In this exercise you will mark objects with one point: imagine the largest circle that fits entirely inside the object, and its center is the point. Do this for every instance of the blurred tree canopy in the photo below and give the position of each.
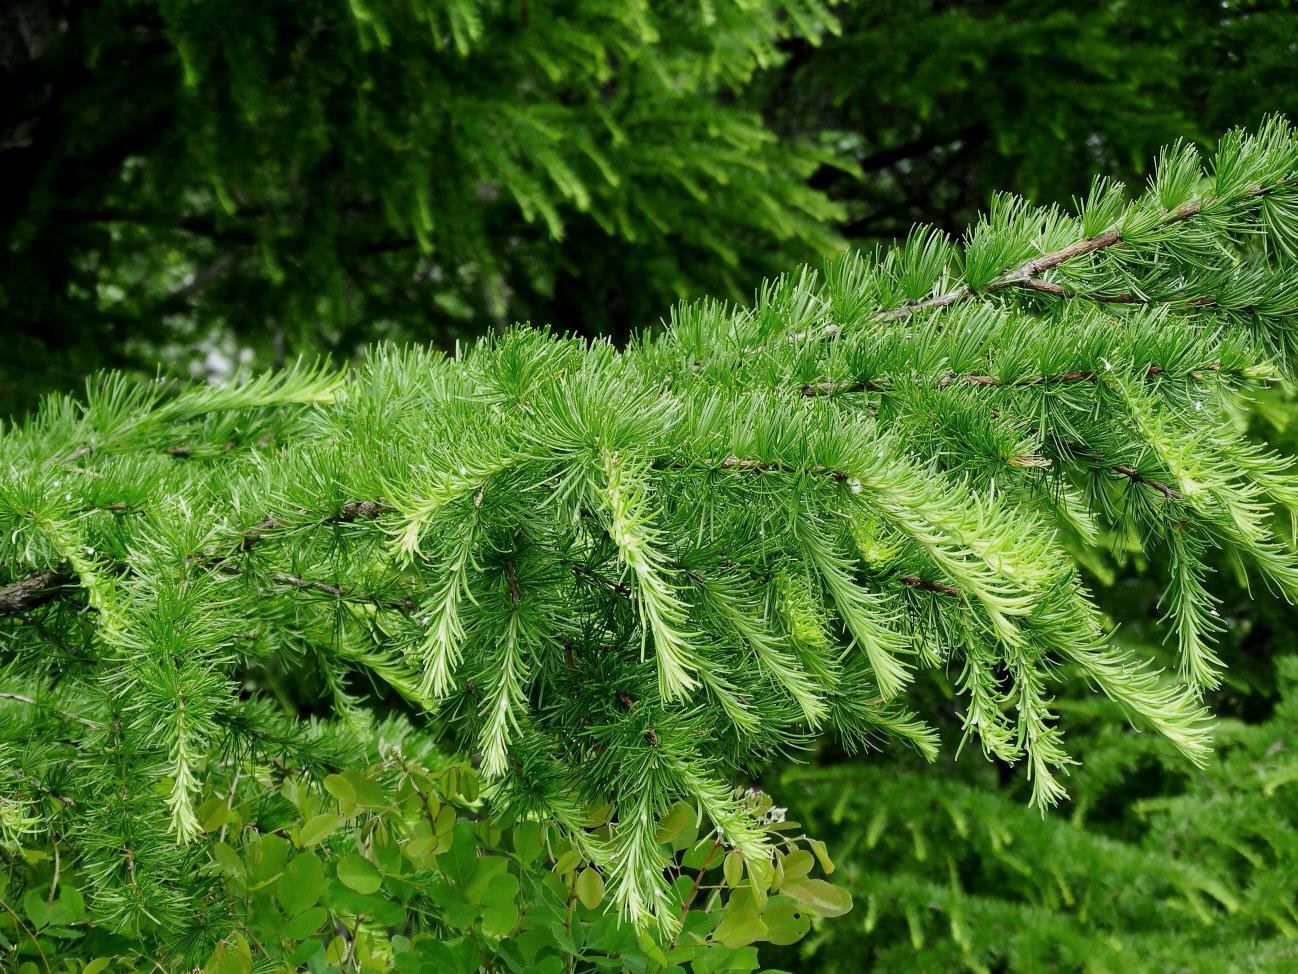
(941, 104)
(288, 176)
(205, 184)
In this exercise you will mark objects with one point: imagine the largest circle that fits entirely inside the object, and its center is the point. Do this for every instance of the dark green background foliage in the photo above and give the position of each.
(941, 104)
(321, 174)
(1151, 868)
(186, 180)
(200, 187)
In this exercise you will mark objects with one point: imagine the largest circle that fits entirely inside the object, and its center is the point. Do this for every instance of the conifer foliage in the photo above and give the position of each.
(628, 577)
(952, 874)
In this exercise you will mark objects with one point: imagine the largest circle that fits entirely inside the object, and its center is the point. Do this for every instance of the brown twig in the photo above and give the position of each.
(1137, 477)
(914, 581)
(954, 378)
(46, 585)
(34, 590)
(612, 583)
(512, 580)
(1126, 297)
(402, 602)
(1034, 268)
(67, 715)
(1063, 293)
(1028, 274)
(694, 891)
(43, 789)
(1018, 275)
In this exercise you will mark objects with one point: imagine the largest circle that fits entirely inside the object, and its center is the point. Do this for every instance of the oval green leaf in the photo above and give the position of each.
(358, 873)
(822, 898)
(590, 888)
(300, 886)
(316, 829)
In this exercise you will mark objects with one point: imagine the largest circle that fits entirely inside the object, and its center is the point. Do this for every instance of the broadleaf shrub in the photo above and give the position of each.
(399, 865)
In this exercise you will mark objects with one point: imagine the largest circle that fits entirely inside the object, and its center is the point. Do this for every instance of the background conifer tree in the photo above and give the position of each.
(280, 179)
(270, 180)
(1152, 868)
(940, 105)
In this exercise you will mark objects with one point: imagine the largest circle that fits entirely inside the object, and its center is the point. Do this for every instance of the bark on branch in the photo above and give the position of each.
(44, 586)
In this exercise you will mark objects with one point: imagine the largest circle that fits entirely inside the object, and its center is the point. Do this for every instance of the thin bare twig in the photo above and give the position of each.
(46, 585)
(34, 590)
(30, 936)
(1135, 476)
(1028, 274)
(914, 581)
(954, 379)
